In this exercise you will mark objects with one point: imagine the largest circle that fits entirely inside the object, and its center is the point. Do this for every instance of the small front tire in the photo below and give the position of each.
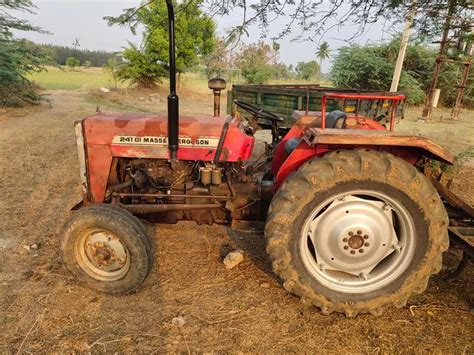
(107, 249)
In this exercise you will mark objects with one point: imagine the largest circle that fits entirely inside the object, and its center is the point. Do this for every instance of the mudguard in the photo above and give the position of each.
(356, 137)
(316, 142)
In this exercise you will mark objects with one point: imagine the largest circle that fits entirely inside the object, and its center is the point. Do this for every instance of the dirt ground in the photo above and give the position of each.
(244, 309)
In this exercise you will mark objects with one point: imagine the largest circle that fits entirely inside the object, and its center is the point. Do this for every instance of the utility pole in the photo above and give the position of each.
(427, 111)
(403, 47)
(467, 66)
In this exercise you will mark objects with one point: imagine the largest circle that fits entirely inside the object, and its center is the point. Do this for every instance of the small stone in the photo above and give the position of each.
(104, 90)
(233, 259)
(265, 285)
(154, 97)
(31, 247)
(178, 321)
(138, 339)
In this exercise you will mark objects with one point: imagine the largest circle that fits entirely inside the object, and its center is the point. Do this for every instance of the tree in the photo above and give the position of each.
(308, 70)
(17, 57)
(76, 44)
(195, 39)
(218, 60)
(59, 54)
(282, 72)
(142, 68)
(322, 53)
(72, 62)
(370, 67)
(275, 52)
(313, 18)
(113, 68)
(254, 62)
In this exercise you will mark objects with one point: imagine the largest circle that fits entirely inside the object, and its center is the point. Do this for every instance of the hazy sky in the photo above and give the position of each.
(68, 19)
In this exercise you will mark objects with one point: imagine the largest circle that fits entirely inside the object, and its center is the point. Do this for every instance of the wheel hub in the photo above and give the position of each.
(356, 241)
(102, 255)
(353, 235)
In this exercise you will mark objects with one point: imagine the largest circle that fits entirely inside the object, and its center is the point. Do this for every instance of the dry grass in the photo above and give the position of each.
(456, 136)
(191, 103)
(43, 309)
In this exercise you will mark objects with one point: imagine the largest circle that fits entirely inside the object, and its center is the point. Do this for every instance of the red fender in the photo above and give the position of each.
(298, 157)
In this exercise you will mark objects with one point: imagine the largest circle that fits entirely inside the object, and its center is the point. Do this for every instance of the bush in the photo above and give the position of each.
(17, 57)
(72, 62)
(371, 68)
(308, 70)
(143, 69)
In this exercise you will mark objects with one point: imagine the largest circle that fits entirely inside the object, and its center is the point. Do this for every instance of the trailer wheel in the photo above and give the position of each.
(356, 231)
(107, 249)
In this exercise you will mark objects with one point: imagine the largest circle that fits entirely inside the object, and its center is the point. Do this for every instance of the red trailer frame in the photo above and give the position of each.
(396, 99)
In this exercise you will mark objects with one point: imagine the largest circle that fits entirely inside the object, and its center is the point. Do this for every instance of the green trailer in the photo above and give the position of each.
(283, 100)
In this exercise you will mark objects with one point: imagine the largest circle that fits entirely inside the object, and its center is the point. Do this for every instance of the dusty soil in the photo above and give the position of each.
(244, 309)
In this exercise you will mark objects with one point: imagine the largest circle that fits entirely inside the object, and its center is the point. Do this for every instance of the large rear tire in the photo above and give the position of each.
(107, 249)
(356, 231)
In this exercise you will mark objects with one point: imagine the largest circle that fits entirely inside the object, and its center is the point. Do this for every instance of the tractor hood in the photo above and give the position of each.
(146, 136)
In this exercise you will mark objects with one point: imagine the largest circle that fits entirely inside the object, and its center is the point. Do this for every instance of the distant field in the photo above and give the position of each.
(82, 78)
(93, 78)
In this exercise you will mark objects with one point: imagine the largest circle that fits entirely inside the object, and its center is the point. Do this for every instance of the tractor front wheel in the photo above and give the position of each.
(107, 249)
(356, 231)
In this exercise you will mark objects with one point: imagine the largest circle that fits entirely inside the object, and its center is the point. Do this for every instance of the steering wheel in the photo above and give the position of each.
(258, 112)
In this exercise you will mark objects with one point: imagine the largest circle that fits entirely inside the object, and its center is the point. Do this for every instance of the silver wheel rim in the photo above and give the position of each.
(358, 241)
(102, 255)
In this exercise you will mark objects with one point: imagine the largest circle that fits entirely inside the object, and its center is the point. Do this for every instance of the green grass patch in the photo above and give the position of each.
(82, 78)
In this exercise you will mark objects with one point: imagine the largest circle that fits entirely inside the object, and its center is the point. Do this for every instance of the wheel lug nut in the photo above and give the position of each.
(353, 251)
(351, 234)
(359, 232)
(361, 250)
(366, 236)
(366, 244)
(344, 240)
(346, 247)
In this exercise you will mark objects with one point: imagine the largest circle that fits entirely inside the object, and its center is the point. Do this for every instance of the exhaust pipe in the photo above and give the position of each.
(173, 100)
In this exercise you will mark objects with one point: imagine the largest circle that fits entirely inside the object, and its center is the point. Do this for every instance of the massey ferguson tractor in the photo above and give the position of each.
(353, 225)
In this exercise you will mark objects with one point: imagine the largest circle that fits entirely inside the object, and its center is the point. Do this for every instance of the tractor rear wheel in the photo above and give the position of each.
(107, 249)
(356, 231)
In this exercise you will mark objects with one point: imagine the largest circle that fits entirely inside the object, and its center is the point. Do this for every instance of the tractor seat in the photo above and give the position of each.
(334, 119)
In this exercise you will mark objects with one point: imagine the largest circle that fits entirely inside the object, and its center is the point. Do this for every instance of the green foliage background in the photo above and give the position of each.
(254, 62)
(18, 58)
(308, 70)
(195, 39)
(59, 55)
(371, 67)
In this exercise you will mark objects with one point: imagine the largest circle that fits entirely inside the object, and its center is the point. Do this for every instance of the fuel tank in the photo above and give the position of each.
(146, 136)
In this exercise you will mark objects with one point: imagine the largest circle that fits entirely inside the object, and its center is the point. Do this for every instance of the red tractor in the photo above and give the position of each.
(352, 225)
